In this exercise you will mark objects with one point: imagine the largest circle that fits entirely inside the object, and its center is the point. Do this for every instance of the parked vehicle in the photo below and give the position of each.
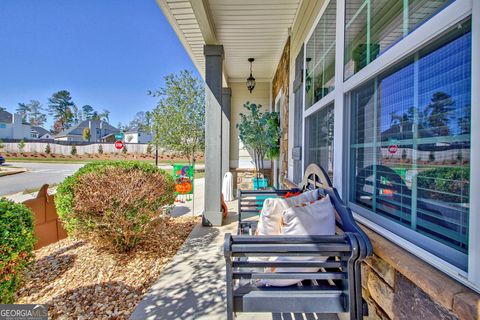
(2, 160)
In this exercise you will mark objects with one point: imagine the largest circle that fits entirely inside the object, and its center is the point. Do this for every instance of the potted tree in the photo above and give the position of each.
(260, 133)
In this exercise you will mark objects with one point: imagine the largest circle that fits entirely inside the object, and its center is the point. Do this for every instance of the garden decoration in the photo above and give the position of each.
(184, 177)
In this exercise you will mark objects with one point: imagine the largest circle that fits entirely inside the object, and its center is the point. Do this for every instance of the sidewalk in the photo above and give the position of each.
(192, 286)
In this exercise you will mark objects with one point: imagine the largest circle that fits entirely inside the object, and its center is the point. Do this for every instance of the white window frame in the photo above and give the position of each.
(424, 34)
(277, 163)
(326, 100)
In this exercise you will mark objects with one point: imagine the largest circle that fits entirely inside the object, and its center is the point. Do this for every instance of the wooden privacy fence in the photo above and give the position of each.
(48, 228)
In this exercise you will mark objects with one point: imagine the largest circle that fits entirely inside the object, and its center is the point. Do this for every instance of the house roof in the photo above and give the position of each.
(133, 130)
(245, 28)
(5, 116)
(85, 124)
(41, 131)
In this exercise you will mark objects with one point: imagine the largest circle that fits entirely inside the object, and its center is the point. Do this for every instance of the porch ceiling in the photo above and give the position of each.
(246, 28)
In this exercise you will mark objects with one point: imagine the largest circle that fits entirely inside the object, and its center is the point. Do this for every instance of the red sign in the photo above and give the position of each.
(118, 144)
(393, 149)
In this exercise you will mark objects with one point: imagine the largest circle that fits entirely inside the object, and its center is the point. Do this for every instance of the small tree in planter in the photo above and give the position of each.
(260, 132)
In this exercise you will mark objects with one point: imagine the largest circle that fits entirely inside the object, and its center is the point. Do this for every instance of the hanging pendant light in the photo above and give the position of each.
(251, 79)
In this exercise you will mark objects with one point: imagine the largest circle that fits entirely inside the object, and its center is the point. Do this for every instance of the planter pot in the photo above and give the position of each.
(259, 184)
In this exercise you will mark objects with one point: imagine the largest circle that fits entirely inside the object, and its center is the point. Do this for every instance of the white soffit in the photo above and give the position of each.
(181, 17)
(252, 28)
(245, 28)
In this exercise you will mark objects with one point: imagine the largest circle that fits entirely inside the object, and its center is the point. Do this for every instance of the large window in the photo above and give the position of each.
(320, 57)
(372, 26)
(319, 138)
(410, 146)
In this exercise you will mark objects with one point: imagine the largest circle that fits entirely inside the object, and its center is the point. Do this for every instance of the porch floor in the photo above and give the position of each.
(192, 286)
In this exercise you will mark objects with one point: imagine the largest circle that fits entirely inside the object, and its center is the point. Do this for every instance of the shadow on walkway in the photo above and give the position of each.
(192, 286)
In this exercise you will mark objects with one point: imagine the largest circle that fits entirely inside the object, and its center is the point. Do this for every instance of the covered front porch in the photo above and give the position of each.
(346, 77)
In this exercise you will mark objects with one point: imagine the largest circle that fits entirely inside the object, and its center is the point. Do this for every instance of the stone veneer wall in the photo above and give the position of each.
(280, 82)
(407, 288)
(244, 178)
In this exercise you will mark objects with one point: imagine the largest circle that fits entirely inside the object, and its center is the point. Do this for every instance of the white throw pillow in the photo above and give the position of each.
(313, 218)
(269, 223)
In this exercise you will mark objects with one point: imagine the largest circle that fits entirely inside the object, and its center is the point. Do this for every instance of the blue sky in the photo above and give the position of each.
(107, 53)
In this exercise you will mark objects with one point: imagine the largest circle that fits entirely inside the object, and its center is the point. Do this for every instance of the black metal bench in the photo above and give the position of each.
(336, 288)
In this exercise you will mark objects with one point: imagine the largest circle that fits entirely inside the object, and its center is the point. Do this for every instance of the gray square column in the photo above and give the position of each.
(226, 108)
(212, 214)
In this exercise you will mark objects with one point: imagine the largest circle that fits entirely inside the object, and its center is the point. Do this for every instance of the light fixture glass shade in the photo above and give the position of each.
(251, 83)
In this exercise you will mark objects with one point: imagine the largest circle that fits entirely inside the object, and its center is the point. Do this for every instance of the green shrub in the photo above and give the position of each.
(112, 203)
(16, 246)
(100, 149)
(149, 149)
(73, 151)
(124, 149)
(448, 184)
(47, 149)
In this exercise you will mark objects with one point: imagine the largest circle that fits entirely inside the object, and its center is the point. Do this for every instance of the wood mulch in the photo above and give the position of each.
(79, 281)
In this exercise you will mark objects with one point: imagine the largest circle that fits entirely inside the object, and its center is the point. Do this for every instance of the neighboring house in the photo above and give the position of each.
(38, 132)
(99, 131)
(339, 72)
(136, 135)
(12, 126)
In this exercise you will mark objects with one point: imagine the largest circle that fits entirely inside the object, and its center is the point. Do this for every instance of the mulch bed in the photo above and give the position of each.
(78, 281)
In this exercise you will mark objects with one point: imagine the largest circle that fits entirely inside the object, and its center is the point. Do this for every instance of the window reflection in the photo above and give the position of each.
(410, 142)
(320, 58)
(373, 26)
(319, 138)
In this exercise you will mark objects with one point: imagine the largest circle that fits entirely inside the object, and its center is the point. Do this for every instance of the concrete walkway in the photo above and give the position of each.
(192, 286)
(187, 207)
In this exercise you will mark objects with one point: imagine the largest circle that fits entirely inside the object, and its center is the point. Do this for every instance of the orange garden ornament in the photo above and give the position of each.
(183, 176)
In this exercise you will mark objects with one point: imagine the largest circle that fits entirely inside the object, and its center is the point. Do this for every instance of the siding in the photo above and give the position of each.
(240, 95)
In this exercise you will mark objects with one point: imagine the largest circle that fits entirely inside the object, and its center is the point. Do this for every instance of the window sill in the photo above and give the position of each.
(440, 287)
(289, 184)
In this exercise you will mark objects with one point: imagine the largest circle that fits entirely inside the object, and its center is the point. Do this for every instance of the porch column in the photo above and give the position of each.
(226, 108)
(212, 214)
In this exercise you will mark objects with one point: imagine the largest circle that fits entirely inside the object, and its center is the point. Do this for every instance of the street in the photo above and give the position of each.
(40, 173)
(37, 175)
